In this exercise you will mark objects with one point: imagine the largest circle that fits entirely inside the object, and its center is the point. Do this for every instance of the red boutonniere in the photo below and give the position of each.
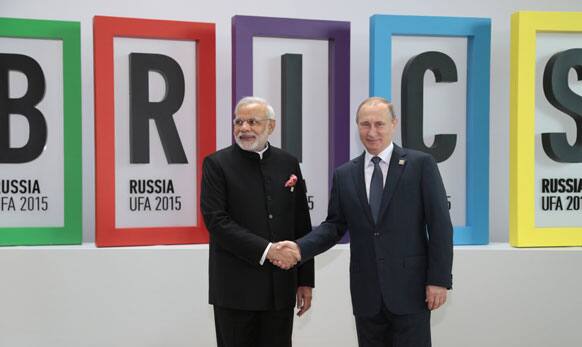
(291, 182)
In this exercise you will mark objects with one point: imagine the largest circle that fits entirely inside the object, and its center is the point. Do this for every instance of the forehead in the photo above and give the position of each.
(374, 112)
(254, 109)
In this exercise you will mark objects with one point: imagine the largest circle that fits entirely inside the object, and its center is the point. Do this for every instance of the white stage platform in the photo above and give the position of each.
(81, 296)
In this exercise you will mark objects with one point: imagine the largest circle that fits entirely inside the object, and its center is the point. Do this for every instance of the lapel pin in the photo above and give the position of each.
(401, 162)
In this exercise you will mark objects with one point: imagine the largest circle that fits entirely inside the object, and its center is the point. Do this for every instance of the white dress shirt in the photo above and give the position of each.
(385, 156)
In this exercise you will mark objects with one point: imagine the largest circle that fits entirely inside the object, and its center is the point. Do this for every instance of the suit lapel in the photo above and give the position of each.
(397, 164)
(360, 184)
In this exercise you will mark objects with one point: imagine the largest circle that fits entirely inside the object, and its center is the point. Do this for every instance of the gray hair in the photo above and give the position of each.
(376, 100)
(247, 100)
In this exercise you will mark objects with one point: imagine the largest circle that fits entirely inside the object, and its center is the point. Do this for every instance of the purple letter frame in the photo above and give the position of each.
(244, 28)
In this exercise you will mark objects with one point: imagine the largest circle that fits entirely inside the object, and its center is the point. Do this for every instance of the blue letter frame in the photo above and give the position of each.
(478, 34)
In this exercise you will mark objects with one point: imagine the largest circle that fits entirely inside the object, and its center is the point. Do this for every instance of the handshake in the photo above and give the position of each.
(284, 254)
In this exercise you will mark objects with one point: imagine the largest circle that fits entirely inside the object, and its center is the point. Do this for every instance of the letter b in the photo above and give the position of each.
(24, 106)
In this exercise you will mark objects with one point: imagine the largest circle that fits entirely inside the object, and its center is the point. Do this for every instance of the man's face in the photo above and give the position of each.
(252, 127)
(376, 127)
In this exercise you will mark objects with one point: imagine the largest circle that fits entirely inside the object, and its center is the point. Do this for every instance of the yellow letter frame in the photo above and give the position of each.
(522, 229)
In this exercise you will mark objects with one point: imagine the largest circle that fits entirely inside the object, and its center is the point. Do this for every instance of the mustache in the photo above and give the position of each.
(248, 134)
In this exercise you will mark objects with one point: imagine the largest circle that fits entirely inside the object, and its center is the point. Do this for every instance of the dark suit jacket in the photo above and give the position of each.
(409, 247)
(245, 205)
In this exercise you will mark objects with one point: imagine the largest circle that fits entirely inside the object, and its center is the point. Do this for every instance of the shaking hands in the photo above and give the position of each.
(284, 254)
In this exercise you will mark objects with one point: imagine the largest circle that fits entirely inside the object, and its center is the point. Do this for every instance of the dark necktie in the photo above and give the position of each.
(376, 188)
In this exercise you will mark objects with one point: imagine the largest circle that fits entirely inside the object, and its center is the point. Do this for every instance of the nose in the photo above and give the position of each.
(245, 126)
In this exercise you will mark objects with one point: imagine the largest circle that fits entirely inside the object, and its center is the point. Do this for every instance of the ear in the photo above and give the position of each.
(271, 126)
(394, 122)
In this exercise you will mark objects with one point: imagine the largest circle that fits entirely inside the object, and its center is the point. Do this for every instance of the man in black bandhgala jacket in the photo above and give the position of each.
(253, 195)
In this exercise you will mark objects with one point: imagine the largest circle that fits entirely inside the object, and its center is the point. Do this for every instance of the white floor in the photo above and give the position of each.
(157, 296)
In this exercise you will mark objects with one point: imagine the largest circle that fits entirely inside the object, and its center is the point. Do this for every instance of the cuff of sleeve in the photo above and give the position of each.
(441, 282)
(264, 257)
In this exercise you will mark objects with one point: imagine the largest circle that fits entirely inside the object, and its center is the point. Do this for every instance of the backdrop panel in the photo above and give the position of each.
(477, 31)
(40, 132)
(546, 129)
(337, 36)
(148, 178)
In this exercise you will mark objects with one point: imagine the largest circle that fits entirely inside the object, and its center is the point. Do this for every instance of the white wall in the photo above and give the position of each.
(81, 296)
(357, 13)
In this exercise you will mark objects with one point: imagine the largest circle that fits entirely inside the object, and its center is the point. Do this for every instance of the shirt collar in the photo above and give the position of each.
(261, 152)
(384, 155)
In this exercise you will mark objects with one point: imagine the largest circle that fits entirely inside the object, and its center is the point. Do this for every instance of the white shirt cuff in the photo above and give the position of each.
(265, 254)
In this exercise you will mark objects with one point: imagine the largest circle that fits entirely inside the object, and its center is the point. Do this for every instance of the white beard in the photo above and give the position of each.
(255, 146)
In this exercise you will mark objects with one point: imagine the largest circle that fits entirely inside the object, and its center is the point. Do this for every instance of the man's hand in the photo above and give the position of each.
(284, 254)
(304, 295)
(435, 296)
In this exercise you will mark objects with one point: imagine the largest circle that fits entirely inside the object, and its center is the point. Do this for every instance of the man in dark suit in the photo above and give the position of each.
(394, 203)
(253, 194)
